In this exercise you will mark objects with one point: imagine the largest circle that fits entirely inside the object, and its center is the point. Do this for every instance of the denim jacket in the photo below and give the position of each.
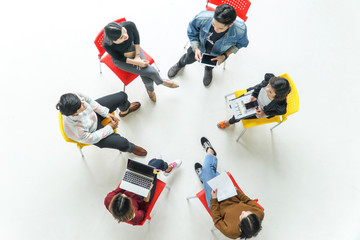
(234, 39)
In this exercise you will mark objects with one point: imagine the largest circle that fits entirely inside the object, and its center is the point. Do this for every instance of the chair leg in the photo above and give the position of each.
(82, 155)
(228, 95)
(156, 67)
(224, 65)
(100, 67)
(124, 87)
(167, 187)
(191, 197)
(242, 133)
(275, 126)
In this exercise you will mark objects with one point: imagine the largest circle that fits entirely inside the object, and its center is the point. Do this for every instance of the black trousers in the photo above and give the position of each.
(114, 141)
(189, 58)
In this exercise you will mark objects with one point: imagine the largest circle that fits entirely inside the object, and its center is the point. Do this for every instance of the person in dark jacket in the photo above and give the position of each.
(271, 96)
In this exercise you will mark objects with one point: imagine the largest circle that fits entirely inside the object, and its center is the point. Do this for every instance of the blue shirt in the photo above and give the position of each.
(234, 39)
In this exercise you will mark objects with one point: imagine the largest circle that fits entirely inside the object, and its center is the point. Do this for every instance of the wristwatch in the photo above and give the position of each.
(225, 55)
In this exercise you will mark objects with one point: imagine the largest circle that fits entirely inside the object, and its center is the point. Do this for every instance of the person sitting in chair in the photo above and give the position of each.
(129, 207)
(122, 42)
(217, 33)
(271, 96)
(82, 118)
(235, 217)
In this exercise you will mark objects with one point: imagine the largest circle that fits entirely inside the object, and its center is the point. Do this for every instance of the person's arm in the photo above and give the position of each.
(140, 63)
(246, 200)
(222, 57)
(115, 54)
(99, 109)
(263, 83)
(275, 108)
(242, 41)
(78, 133)
(140, 208)
(193, 32)
(218, 220)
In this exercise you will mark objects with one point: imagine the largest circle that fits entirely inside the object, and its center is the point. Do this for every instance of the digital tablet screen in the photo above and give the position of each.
(206, 59)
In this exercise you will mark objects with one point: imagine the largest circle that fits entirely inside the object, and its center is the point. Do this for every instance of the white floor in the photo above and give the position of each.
(305, 173)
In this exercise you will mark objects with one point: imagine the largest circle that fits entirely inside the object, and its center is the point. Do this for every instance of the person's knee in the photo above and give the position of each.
(124, 145)
(123, 97)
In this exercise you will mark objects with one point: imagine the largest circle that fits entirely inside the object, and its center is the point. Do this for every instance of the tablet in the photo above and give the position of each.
(206, 59)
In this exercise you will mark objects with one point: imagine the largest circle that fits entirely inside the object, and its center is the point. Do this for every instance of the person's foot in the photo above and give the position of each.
(152, 96)
(170, 84)
(207, 77)
(223, 124)
(174, 70)
(133, 107)
(139, 151)
(172, 166)
(206, 145)
(198, 169)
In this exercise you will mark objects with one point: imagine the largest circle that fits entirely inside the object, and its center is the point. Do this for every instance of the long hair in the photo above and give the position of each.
(121, 208)
(250, 226)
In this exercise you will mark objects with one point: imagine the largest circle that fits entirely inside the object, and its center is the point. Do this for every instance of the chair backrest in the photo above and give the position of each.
(79, 145)
(160, 185)
(202, 197)
(99, 39)
(292, 99)
(241, 6)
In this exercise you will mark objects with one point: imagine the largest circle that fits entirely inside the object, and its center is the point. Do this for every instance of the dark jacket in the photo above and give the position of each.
(275, 107)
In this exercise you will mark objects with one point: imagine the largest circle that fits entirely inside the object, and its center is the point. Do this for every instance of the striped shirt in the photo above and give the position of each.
(82, 128)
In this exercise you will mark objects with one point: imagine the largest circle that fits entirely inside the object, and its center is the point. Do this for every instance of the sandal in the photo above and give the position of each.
(222, 125)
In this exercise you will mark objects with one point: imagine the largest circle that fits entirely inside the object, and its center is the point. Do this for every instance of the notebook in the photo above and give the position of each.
(137, 178)
(206, 60)
(241, 106)
(224, 185)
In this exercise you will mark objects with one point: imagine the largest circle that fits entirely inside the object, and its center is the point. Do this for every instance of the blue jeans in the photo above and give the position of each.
(158, 164)
(208, 172)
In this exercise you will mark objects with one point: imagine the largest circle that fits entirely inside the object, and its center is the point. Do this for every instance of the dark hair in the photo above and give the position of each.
(250, 226)
(281, 86)
(69, 104)
(225, 14)
(113, 30)
(121, 208)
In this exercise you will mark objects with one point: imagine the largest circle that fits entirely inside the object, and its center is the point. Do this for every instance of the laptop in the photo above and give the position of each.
(206, 60)
(137, 178)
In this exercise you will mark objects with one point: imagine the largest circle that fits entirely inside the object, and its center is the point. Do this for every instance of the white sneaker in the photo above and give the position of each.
(174, 165)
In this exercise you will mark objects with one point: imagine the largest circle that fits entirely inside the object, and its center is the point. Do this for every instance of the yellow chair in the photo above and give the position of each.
(79, 145)
(292, 107)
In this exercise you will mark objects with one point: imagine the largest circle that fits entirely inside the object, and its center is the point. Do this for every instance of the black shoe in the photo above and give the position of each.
(206, 144)
(207, 77)
(174, 70)
(198, 169)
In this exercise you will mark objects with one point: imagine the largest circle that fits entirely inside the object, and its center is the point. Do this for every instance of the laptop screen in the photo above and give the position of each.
(140, 168)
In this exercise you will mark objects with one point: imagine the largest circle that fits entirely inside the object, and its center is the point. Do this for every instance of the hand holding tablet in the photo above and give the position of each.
(206, 59)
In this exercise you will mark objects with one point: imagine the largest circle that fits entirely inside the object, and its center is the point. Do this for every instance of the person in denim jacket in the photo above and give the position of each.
(218, 34)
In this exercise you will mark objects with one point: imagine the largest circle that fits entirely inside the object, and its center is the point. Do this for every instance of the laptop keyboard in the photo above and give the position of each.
(137, 180)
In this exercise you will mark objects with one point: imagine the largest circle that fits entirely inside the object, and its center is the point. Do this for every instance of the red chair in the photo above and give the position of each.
(241, 6)
(201, 195)
(125, 77)
(160, 185)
